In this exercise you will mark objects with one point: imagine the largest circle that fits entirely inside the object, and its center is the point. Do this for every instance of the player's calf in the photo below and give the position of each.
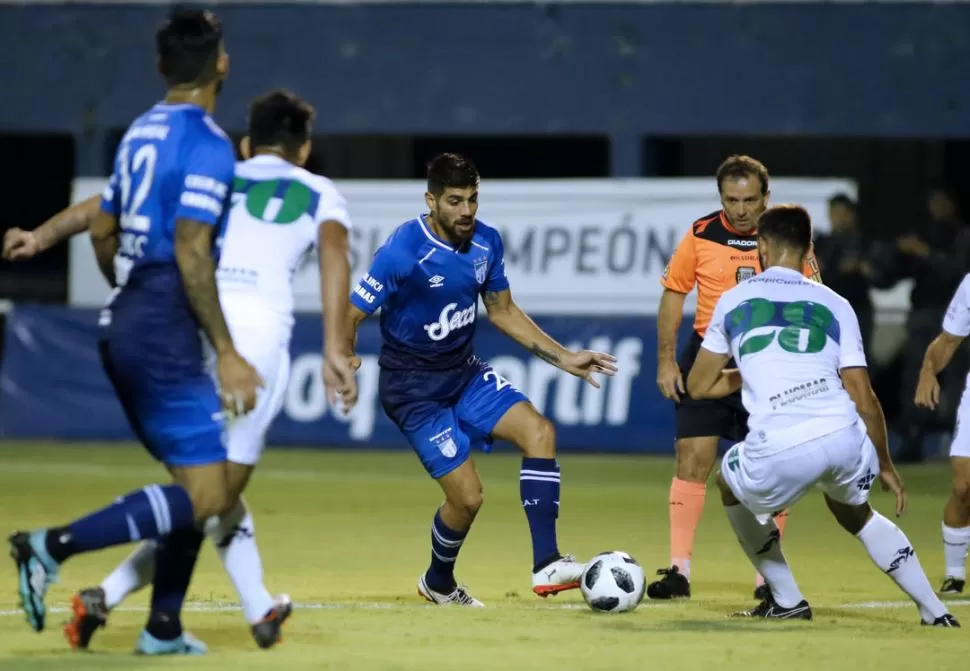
(956, 528)
(462, 488)
(891, 551)
(761, 542)
(539, 481)
(688, 490)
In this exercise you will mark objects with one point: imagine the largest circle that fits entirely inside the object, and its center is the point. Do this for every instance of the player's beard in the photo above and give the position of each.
(219, 85)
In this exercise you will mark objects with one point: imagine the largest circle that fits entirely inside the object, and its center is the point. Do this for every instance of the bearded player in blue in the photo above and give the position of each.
(426, 279)
(156, 241)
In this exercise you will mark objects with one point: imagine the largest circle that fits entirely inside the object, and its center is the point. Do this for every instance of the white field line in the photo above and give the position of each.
(217, 607)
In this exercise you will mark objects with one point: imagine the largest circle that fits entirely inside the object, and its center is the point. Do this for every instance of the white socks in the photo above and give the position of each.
(136, 571)
(956, 542)
(234, 537)
(892, 552)
(761, 542)
(235, 540)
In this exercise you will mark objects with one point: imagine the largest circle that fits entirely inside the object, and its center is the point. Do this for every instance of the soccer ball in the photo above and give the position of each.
(613, 582)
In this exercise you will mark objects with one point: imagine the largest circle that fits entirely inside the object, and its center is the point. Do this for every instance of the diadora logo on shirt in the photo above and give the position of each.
(436, 281)
(742, 243)
(450, 320)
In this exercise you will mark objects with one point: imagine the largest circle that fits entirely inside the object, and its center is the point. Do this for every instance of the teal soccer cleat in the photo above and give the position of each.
(36, 571)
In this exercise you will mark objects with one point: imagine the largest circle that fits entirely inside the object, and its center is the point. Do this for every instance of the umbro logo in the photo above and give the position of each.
(436, 281)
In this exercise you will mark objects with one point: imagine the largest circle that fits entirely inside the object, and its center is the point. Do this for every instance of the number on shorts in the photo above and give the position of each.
(500, 382)
(806, 326)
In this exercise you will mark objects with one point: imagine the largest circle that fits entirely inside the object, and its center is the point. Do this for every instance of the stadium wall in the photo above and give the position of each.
(620, 69)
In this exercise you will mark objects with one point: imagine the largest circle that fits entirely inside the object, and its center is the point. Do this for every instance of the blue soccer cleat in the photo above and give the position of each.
(186, 644)
(36, 571)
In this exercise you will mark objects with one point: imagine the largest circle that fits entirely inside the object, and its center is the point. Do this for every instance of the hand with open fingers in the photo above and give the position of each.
(238, 384)
(891, 482)
(339, 380)
(19, 245)
(669, 380)
(586, 363)
(927, 391)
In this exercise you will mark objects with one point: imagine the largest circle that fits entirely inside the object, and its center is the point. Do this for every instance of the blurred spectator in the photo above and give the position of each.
(936, 257)
(842, 257)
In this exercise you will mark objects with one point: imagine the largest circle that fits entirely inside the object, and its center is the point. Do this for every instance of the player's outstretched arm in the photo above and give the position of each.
(857, 384)
(104, 239)
(20, 245)
(513, 322)
(709, 379)
(938, 356)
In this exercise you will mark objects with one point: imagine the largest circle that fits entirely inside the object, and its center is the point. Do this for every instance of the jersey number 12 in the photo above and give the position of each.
(142, 168)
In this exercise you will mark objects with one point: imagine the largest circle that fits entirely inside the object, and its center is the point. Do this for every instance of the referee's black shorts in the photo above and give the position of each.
(723, 417)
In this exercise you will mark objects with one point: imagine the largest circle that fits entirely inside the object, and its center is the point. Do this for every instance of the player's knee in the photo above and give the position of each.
(471, 502)
(210, 497)
(540, 441)
(695, 458)
(961, 491)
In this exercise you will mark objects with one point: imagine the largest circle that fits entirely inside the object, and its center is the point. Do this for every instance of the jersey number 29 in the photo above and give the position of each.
(805, 325)
(142, 169)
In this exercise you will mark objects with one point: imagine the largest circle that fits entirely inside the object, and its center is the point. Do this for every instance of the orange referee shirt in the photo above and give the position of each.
(715, 257)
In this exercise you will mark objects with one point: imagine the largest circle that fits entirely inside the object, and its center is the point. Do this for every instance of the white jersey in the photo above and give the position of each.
(957, 319)
(277, 209)
(790, 338)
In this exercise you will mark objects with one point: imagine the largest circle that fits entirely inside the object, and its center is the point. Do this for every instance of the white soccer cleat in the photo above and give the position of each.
(459, 596)
(560, 575)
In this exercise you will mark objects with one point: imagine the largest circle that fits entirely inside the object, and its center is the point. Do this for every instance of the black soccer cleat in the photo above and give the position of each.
(269, 631)
(952, 586)
(762, 592)
(769, 610)
(944, 621)
(673, 585)
(90, 614)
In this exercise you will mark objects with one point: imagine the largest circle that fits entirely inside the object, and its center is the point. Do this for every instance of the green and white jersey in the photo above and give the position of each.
(277, 209)
(789, 337)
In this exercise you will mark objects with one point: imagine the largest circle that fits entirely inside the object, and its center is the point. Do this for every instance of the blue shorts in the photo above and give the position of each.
(446, 414)
(179, 422)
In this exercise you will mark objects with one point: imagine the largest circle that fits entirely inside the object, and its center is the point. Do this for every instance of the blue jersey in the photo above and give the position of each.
(428, 294)
(173, 163)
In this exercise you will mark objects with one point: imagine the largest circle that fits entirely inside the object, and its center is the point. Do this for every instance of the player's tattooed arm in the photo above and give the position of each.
(708, 377)
(513, 322)
(104, 239)
(193, 254)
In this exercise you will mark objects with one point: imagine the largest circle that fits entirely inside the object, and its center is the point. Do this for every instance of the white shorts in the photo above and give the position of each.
(960, 445)
(265, 349)
(843, 464)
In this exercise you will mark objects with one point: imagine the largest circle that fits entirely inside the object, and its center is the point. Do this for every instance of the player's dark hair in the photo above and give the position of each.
(789, 225)
(188, 46)
(741, 167)
(281, 119)
(842, 199)
(452, 171)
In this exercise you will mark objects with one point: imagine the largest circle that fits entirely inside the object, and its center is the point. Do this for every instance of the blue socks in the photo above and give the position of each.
(539, 490)
(175, 559)
(145, 514)
(445, 545)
